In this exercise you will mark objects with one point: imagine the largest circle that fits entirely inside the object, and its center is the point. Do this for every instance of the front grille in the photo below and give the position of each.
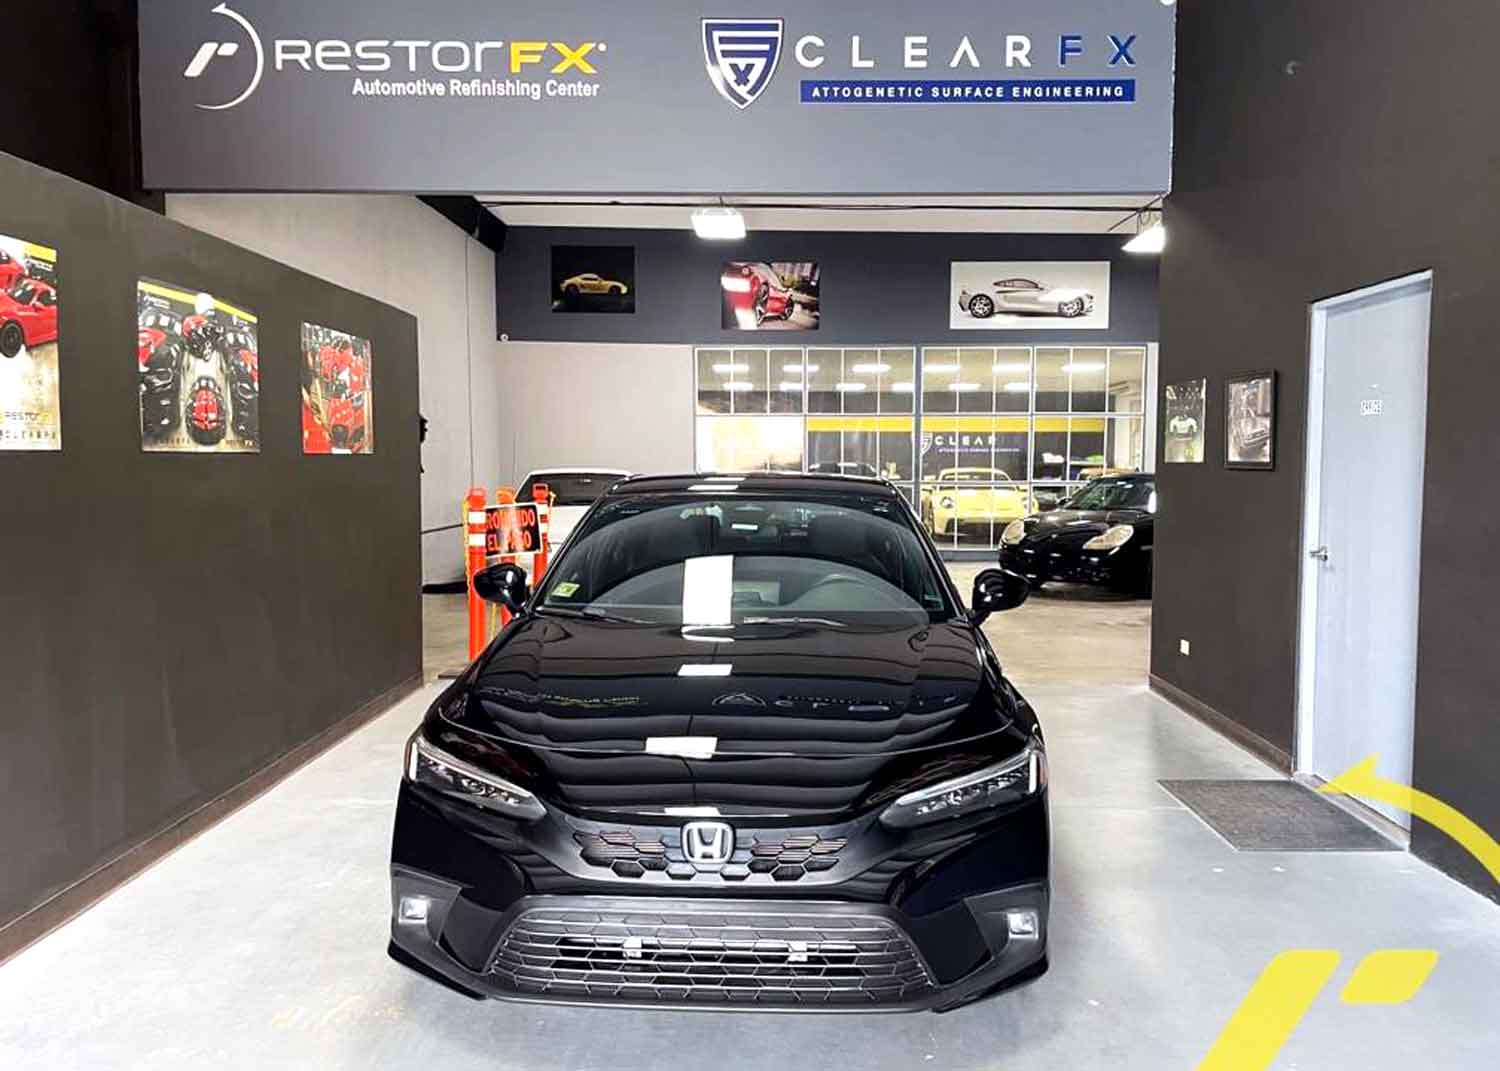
(634, 853)
(716, 955)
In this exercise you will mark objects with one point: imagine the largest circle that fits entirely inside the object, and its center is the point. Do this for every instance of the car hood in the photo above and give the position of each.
(811, 718)
(1077, 525)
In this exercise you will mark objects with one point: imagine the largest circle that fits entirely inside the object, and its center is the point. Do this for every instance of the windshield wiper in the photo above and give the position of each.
(589, 614)
(793, 621)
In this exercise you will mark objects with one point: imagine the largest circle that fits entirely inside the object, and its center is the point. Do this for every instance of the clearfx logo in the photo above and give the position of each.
(211, 50)
(406, 56)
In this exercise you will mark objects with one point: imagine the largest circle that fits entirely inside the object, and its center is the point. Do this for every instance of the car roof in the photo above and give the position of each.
(1131, 476)
(757, 482)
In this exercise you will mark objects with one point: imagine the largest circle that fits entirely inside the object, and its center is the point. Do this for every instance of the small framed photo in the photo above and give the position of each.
(1183, 414)
(1250, 421)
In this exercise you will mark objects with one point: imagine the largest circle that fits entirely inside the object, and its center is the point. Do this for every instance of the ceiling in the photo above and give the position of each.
(1066, 214)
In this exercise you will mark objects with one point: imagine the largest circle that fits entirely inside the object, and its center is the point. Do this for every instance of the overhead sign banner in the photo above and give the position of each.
(578, 97)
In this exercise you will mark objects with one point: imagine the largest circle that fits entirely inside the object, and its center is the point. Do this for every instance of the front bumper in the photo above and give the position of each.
(1073, 566)
(898, 923)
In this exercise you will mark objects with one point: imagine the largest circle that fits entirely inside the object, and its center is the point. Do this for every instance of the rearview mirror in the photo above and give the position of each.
(996, 590)
(504, 584)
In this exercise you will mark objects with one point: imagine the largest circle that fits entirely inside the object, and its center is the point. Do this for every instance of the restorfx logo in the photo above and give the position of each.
(742, 56)
(231, 65)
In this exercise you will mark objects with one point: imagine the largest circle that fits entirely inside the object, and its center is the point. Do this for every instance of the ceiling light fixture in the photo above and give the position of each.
(938, 369)
(728, 369)
(868, 369)
(719, 223)
(850, 387)
(1149, 238)
(797, 369)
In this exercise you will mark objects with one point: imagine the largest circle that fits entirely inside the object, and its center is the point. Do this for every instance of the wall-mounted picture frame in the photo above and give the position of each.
(1250, 420)
(779, 295)
(338, 398)
(1182, 422)
(30, 407)
(593, 278)
(1012, 295)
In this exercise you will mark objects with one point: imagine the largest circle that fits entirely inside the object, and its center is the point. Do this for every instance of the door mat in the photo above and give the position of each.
(1276, 816)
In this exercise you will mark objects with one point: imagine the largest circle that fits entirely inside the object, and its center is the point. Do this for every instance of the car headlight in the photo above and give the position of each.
(946, 502)
(1114, 537)
(434, 768)
(1010, 781)
(1014, 532)
(735, 284)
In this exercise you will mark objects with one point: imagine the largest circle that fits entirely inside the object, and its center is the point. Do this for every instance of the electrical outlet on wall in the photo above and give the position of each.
(1184, 647)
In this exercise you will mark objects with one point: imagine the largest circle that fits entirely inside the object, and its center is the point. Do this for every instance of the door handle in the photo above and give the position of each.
(1320, 553)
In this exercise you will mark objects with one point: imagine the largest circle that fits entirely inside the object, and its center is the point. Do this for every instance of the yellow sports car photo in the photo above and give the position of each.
(973, 497)
(590, 283)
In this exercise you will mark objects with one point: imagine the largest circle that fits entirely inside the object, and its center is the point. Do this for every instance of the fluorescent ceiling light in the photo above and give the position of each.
(938, 369)
(963, 388)
(798, 369)
(849, 387)
(1083, 366)
(728, 369)
(870, 369)
(718, 223)
(713, 669)
(790, 385)
(1151, 240)
(737, 385)
(1020, 386)
(727, 487)
(903, 387)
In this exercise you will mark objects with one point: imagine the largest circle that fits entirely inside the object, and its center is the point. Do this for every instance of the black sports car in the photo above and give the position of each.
(1101, 535)
(743, 748)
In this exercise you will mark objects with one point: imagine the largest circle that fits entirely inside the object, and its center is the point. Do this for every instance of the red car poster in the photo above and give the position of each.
(775, 296)
(338, 400)
(198, 364)
(30, 415)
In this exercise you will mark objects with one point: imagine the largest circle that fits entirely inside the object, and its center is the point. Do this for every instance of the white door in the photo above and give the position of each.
(1363, 530)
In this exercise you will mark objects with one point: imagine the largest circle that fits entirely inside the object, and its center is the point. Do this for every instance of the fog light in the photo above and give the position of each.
(413, 909)
(1022, 923)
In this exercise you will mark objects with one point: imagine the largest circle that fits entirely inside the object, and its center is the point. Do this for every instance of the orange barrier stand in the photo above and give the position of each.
(508, 531)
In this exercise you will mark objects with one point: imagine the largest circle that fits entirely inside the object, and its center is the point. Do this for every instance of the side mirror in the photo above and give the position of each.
(996, 590)
(504, 584)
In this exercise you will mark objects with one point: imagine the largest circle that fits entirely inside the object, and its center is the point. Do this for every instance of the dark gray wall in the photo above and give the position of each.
(1321, 148)
(876, 288)
(76, 74)
(173, 622)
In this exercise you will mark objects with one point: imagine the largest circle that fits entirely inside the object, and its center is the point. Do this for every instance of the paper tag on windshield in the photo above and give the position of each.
(565, 590)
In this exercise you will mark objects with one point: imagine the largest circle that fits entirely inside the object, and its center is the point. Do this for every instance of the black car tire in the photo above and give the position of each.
(1071, 310)
(760, 305)
(11, 339)
(789, 310)
(981, 306)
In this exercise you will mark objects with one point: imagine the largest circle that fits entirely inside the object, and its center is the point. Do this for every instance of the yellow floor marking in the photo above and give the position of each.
(1390, 976)
(1362, 780)
(1274, 1007)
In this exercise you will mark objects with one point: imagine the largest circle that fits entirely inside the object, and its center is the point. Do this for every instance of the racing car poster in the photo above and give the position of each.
(593, 278)
(1183, 417)
(198, 359)
(338, 399)
(30, 411)
(1027, 295)
(776, 296)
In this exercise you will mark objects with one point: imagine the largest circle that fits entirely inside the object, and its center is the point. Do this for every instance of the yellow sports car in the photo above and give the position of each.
(589, 283)
(973, 497)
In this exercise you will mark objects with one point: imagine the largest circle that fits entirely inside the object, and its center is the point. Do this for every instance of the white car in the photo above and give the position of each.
(573, 491)
(1028, 297)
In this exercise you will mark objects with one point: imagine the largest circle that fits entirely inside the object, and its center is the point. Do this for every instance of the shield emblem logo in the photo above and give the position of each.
(741, 56)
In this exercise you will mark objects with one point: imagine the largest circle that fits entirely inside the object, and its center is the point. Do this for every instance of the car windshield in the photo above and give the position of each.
(23, 292)
(697, 560)
(1109, 494)
(570, 488)
(973, 476)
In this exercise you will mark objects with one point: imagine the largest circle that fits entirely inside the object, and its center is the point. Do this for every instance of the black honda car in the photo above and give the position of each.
(744, 747)
(1104, 535)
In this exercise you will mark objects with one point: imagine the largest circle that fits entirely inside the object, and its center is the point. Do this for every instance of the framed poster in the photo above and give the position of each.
(198, 363)
(30, 410)
(1250, 421)
(338, 392)
(593, 278)
(1182, 417)
(781, 295)
(1021, 295)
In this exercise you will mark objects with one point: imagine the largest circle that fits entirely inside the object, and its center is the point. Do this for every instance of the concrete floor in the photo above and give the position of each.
(262, 943)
